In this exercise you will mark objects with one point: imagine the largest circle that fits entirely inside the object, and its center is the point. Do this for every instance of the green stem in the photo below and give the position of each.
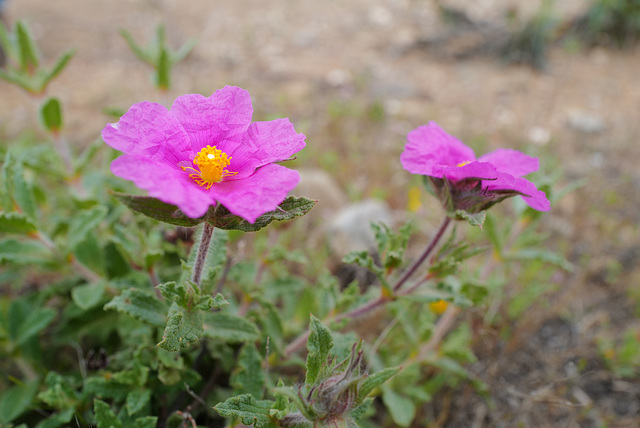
(203, 249)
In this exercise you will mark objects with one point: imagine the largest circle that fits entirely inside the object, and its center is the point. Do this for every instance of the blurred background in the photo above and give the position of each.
(558, 80)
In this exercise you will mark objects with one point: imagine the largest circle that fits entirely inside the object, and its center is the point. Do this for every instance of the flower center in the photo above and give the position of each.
(211, 162)
(463, 163)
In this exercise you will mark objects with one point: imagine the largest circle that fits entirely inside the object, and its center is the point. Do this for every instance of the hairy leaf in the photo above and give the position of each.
(249, 410)
(318, 344)
(375, 380)
(230, 328)
(16, 222)
(140, 305)
(183, 328)
(249, 377)
(105, 418)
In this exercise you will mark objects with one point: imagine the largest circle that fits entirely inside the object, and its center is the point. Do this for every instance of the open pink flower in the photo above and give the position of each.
(432, 152)
(205, 151)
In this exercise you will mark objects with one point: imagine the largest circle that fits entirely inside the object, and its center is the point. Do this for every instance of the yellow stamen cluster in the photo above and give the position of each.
(211, 162)
(463, 163)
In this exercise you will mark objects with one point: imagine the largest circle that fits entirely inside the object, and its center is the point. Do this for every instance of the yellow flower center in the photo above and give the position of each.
(211, 162)
(463, 163)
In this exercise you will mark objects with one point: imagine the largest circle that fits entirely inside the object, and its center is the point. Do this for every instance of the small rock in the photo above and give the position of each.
(585, 122)
(350, 229)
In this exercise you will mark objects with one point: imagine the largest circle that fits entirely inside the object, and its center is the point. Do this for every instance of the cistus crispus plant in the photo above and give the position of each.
(195, 308)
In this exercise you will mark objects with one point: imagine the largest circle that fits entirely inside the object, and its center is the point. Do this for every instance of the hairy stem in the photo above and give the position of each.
(384, 298)
(203, 249)
(427, 252)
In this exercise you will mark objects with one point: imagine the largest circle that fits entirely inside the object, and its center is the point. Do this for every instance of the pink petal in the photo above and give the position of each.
(479, 170)
(430, 147)
(170, 185)
(264, 143)
(512, 162)
(257, 194)
(149, 130)
(535, 198)
(210, 121)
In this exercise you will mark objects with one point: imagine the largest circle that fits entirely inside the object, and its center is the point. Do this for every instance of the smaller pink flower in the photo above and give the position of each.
(432, 152)
(205, 151)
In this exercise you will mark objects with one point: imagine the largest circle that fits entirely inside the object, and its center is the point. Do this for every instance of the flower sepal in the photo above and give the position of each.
(218, 216)
(466, 199)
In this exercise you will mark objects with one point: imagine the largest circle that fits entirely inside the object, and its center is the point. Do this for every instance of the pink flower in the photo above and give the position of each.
(432, 152)
(205, 151)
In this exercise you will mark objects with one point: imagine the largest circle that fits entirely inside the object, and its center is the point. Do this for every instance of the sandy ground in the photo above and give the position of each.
(300, 58)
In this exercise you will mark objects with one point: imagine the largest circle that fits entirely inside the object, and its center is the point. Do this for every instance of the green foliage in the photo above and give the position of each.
(319, 344)
(529, 42)
(140, 305)
(51, 115)
(110, 319)
(159, 55)
(219, 217)
(21, 48)
(610, 22)
(248, 410)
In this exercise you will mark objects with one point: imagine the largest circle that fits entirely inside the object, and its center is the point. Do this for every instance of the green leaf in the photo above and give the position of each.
(318, 344)
(183, 328)
(230, 328)
(163, 70)
(89, 252)
(59, 393)
(365, 260)
(51, 114)
(88, 295)
(19, 252)
(373, 381)
(178, 293)
(105, 418)
(140, 305)
(99, 386)
(220, 218)
(157, 210)
(249, 410)
(25, 320)
(290, 208)
(145, 422)
(5, 41)
(57, 68)
(401, 409)
(16, 222)
(249, 377)
(87, 155)
(542, 255)
(27, 52)
(16, 400)
(83, 222)
(476, 219)
(58, 419)
(136, 400)
(18, 189)
(115, 264)
(137, 49)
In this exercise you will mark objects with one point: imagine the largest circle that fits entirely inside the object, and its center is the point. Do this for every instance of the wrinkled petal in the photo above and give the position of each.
(535, 198)
(149, 130)
(512, 162)
(222, 117)
(264, 143)
(164, 183)
(257, 194)
(429, 147)
(479, 170)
